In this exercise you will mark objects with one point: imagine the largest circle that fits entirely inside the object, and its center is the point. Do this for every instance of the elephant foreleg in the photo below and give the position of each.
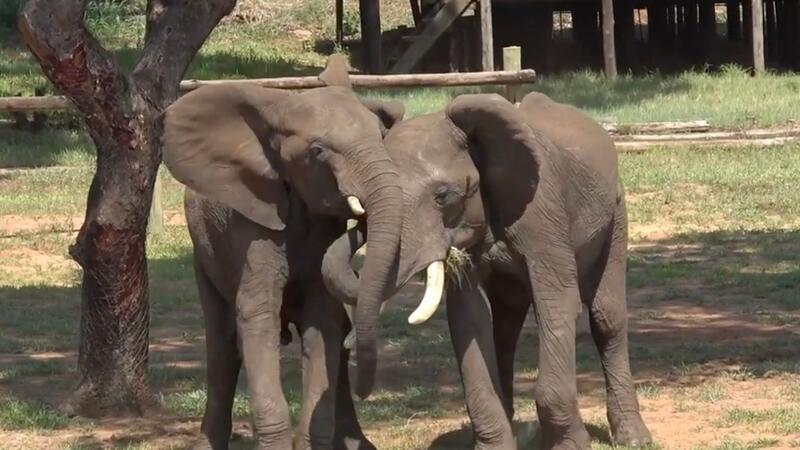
(349, 435)
(222, 364)
(510, 302)
(470, 322)
(557, 304)
(258, 320)
(609, 325)
(321, 328)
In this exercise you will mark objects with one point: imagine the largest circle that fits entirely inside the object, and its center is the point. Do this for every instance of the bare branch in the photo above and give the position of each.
(75, 62)
(175, 32)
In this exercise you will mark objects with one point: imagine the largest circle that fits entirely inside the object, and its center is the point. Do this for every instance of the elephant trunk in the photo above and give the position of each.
(383, 205)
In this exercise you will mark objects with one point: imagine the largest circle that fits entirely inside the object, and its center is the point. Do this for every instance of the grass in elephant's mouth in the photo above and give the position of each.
(458, 264)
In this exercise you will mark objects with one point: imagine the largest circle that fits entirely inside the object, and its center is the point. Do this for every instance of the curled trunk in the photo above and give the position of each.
(383, 198)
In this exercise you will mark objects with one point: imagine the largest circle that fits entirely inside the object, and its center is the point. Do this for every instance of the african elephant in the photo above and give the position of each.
(530, 195)
(271, 179)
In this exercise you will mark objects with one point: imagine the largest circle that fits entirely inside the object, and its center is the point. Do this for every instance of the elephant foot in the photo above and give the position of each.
(354, 443)
(573, 438)
(630, 431)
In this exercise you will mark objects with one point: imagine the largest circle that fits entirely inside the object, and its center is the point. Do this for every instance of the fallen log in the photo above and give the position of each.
(693, 126)
(638, 146)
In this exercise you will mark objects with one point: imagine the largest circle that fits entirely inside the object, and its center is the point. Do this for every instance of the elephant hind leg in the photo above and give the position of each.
(609, 326)
(510, 301)
(222, 365)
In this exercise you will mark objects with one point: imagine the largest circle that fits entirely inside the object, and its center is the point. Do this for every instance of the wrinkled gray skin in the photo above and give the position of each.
(267, 175)
(532, 194)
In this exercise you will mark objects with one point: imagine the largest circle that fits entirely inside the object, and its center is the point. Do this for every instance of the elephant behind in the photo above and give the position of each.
(532, 195)
(271, 179)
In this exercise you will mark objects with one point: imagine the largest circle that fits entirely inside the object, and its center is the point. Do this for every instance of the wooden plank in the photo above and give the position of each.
(727, 143)
(710, 136)
(487, 36)
(512, 60)
(527, 76)
(609, 48)
(757, 27)
(26, 104)
(692, 126)
(432, 32)
(370, 11)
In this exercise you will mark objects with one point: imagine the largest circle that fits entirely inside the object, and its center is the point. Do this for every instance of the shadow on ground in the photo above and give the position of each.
(700, 304)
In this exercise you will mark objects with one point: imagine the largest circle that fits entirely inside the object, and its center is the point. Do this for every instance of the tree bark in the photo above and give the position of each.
(121, 112)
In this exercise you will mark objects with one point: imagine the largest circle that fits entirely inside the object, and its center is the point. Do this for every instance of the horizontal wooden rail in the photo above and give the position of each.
(502, 78)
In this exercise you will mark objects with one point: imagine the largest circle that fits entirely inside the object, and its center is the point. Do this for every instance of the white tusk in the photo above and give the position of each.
(434, 286)
(351, 223)
(357, 261)
(355, 205)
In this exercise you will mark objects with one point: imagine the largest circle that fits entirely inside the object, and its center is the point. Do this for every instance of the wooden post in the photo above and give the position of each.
(155, 223)
(734, 20)
(757, 26)
(371, 34)
(609, 50)
(512, 60)
(416, 13)
(747, 20)
(339, 22)
(770, 37)
(708, 26)
(669, 36)
(487, 36)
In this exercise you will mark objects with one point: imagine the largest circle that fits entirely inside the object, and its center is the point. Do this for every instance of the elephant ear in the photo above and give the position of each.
(505, 150)
(390, 112)
(216, 141)
(335, 73)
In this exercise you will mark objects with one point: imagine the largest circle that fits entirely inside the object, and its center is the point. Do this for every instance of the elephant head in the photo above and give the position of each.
(253, 149)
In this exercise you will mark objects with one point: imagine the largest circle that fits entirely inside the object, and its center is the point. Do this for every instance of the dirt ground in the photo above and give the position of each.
(711, 372)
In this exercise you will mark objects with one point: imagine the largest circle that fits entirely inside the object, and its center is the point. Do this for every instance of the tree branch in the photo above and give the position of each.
(76, 63)
(175, 31)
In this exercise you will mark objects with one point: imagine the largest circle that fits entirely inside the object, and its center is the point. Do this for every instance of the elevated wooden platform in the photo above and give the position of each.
(625, 35)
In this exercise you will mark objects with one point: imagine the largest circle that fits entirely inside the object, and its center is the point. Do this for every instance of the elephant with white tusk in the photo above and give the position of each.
(272, 179)
(530, 198)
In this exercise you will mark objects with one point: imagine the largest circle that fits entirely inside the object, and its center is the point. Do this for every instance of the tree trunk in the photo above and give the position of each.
(121, 112)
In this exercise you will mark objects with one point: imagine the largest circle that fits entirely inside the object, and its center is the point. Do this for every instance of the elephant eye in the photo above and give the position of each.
(444, 196)
(316, 149)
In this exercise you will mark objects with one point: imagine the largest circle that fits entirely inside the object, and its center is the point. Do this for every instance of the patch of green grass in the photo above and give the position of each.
(729, 443)
(724, 188)
(17, 414)
(414, 401)
(32, 368)
(691, 95)
(192, 403)
(712, 393)
(780, 420)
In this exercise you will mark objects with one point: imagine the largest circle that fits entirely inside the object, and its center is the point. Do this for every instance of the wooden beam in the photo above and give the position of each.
(487, 36)
(370, 11)
(26, 104)
(339, 21)
(757, 26)
(451, 10)
(527, 76)
(609, 50)
(416, 13)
